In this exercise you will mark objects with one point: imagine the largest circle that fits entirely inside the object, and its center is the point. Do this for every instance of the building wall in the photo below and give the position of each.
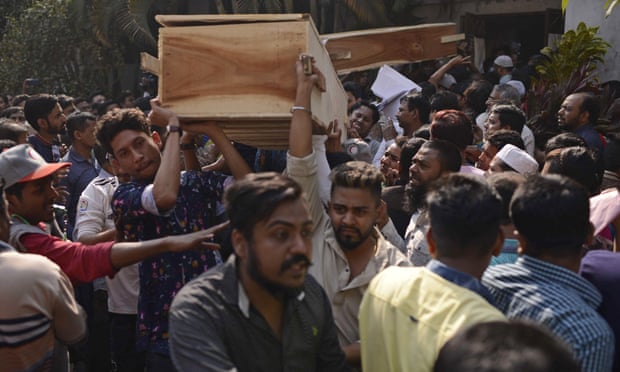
(592, 13)
(433, 11)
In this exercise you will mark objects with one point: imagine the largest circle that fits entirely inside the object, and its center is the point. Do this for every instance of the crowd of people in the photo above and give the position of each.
(450, 237)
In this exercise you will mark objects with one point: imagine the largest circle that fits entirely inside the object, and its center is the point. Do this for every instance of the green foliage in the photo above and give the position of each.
(42, 42)
(575, 49)
(570, 67)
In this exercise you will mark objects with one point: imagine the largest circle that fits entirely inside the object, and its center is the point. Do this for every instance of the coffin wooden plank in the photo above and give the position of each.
(362, 50)
(201, 19)
(244, 75)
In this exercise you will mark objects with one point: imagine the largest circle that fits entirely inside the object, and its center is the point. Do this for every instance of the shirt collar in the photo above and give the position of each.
(4, 247)
(461, 279)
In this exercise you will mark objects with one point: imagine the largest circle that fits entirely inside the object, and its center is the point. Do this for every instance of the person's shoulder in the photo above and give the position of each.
(212, 285)
(33, 265)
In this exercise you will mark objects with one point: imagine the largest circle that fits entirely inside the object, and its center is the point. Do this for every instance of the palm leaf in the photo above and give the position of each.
(131, 17)
(369, 12)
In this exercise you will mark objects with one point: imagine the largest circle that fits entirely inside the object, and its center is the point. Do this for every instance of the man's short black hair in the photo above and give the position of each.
(505, 184)
(37, 107)
(117, 121)
(511, 116)
(464, 213)
(421, 103)
(255, 197)
(78, 121)
(514, 346)
(552, 214)
(449, 155)
(358, 175)
(373, 108)
(577, 163)
(444, 100)
(504, 137)
(563, 140)
(590, 104)
(407, 152)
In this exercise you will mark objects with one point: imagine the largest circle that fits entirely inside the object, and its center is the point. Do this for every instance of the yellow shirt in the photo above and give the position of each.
(407, 314)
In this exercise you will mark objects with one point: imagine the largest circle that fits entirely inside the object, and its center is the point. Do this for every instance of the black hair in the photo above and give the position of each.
(39, 106)
(563, 140)
(590, 104)
(504, 137)
(255, 197)
(11, 130)
(420, 102)
(505, 184)
(511, 116)
(513, 346)
(407, 152)
(578, 163)
(552, 214)
(464, 213)
(78, 121)
(444, 100)
(449, 155)
(358, 175)
(477, 94)
(117, 121)
(373, 108)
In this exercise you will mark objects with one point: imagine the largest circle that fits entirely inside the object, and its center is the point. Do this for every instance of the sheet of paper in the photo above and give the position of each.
(391, 86)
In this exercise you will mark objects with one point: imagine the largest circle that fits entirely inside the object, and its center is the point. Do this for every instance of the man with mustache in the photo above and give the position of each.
(349, 250)
(259, 311)
(436, 158)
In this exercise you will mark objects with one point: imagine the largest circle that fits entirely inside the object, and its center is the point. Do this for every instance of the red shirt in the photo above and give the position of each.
(82, 263)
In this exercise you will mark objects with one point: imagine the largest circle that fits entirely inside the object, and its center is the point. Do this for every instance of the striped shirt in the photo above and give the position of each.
(561, 300)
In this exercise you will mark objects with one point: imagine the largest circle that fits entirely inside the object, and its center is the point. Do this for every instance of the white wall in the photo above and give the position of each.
(592, 13)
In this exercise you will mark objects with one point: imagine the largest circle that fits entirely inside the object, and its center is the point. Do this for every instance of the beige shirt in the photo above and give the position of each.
(330, 266)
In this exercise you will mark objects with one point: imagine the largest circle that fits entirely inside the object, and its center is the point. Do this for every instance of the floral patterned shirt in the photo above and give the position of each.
(161, 277)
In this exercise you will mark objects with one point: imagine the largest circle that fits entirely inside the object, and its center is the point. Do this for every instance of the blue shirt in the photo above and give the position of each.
(559, 299)
(81, 172)
(163, 276)
(461, 279)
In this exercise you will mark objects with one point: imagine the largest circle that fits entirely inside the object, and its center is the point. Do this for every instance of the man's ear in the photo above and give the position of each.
(590, 236)
(522, 244)
(42, 123)
(499, 243)
(157, 138)
(239, 243)
(432, 245)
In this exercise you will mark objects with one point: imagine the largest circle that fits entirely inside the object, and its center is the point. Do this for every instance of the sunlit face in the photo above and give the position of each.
(390, 159)
(406, 119)
(136, 153)
(487, 154)
(87, 136)
(570, 115)
(36, 201)
(280, 251)
(55, 122)
(492, 124)
(361, 120)
(425, 167)
(353, 213)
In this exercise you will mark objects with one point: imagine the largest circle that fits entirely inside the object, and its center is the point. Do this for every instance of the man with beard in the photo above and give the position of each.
(44, 114)
(259, 311)
(578, 114)
(349, 249)
(436, 158)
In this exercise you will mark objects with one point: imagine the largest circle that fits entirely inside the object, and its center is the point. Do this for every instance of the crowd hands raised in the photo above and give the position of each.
(449, 237)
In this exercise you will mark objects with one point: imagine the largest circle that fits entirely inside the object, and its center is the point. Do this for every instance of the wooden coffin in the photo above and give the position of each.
(362, 50)
(240, 71)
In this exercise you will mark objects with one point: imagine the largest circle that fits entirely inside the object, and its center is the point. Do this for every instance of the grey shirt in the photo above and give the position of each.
(213, 327)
